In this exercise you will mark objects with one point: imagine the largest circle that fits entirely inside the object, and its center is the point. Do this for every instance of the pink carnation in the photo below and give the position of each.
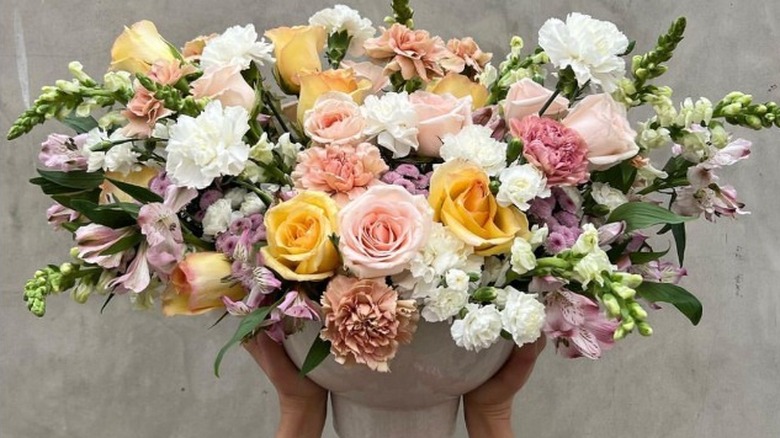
(412, 52)
(366, 322)
(342, 171)
(559, 152)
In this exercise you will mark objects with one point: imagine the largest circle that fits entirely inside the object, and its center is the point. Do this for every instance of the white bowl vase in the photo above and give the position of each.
(420, 395)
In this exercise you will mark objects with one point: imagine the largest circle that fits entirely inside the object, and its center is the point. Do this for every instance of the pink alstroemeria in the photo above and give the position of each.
(733, 152)
(160, 224)
(548, 283)
(93, 239)
(64, 153)
(58, 214)
(298, 305)
(137, 276)
(577, 325)
(712, 200)
(660, 272)
(610, 232)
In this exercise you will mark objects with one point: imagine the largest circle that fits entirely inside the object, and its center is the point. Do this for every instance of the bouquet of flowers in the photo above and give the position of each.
(391, 177)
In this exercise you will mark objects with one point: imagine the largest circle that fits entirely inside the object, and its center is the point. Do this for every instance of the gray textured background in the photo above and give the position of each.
(77, 373)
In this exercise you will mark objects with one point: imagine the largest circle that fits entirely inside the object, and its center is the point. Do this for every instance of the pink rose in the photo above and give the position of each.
(380, 231)
(334, 119)
(226, 85)
(526, 97)
(344, 172)
(559, 152)
(602, 123)
(438, 115)
(369, 71)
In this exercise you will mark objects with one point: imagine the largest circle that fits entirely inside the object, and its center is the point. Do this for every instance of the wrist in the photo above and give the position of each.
(301, 418)
(493, 420)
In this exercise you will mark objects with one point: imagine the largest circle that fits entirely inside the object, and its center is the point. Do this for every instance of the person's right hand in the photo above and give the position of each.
(488, 409)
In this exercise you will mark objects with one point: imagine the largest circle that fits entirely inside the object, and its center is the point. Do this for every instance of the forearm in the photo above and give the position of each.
(301, 419)
(488, 421)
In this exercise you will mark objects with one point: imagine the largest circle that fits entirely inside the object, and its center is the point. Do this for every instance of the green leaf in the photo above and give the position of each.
(620, 177)
(66, 199)
(140, 194)
(77, 179)
(683, 300)
(641, 215)
(123, 244)
(99, 215)
(248, 325)
(320, 349)
(79, 124)
(678, 231)
(640, 258)
(128, 207)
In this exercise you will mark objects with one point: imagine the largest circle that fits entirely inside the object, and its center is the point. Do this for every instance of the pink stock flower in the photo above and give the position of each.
(412, 52)
(559, 152)
(334, 119)
(226, 85)
(344, 172)
(467, 56)
(64, 153)
(365, 321)
(380, 231)
(437, 116)
(58, 214)
(143, 111)
(93, 239)
(577, 326)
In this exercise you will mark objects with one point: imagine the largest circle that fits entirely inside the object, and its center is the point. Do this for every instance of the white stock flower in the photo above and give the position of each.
(488, 76)
(252, 204)
(474, 143)
(442, 252)
(523, 258)
(217, 217)
(605, 195)
(520, 185)
(236, 46)
(590, 268)
(457, 279)
(393, 119)
(208, 146)
(591, 47)
(262, 151)
(538, 235)
(588, 241)
(523, 316)
(288, 150)
(443, 303)
(96, 159)
(479, 329)
(340, 18)
(121, 158)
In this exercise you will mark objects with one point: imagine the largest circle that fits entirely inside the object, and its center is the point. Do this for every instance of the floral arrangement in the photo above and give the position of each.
(399, 177)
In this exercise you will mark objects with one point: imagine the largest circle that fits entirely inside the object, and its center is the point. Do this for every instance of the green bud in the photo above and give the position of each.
(636, 62)
(77, 70)
(67, 86)
(734, 95)
(732, 109)
(641, 73)
(754, 122)
(637, 311)
(629, 280)
(619, 334)
(494, 186)
(67, 268)
(39, 273)
(611, 304)
(74, 252)
(645, 329)
(745, 100)
(623, 291)
(628, 324)
(485, 294)
(81, 293)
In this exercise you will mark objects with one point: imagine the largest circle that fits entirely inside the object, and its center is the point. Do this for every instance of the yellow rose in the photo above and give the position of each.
(138, 47)
(297, 49)
(198, 284)
(461, 199)
(315, 84)
(461, 86)
(110, 193)
(298, 233)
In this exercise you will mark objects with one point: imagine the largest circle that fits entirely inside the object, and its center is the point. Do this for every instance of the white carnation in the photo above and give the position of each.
(121, 158)
(520, 185)
(208, 146)
(444, 303)
(252, 204)
(523, 316)
(591, 47)
(605, 195)
(96, 159)
(590, 268)
(523, 258)
(479, 329)
(495, 272)
(340, 18)
(442, 252)
(217, 217)
(474, 143)
(393, 120)
(236, 46)
(457, 279)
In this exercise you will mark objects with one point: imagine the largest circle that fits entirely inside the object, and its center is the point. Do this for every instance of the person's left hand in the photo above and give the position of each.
(302, 403)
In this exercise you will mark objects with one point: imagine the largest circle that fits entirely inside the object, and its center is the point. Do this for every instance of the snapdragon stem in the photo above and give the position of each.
(549, 102)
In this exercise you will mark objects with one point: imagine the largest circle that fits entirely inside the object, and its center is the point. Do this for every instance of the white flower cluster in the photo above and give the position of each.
(120, 158)
(343, 18)
(595, 263)
(236, 46)
(474, 143)
(393, 120)
(236, 203)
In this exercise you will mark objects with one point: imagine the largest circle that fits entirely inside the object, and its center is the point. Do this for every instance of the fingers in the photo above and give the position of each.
(271, 357)
(516, 371)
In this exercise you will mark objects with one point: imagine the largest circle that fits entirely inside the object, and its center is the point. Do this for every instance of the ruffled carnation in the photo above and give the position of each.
(366, 322)
(469, 55)
(412, 52)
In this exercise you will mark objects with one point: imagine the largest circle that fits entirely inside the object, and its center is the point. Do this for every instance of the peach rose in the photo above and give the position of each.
(526, 97)
(344, 172)
(297, 50)
(602, 123)
(315, 84)
(461, 86)
(334, 119)
(365, 321)
(298, 234)
(382, 229)
(226, 85)
(461, 199)
(138, 47)
(198, 284)
(438, 115)
(194, 48)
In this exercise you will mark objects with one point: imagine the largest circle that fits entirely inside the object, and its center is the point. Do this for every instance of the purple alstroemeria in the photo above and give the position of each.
(93, 239)
(610, 232)
(577, 326)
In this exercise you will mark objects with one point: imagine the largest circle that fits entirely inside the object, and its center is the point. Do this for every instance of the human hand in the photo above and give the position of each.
(488, 408)
(302, 403)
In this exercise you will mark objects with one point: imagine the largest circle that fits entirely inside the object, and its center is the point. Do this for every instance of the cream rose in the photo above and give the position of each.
(226, 85)
(438, 115)
(382, 230)
(602, 123)
(334, 119)
(526, 97)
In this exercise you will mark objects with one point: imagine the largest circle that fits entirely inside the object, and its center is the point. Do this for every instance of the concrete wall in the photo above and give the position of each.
(77, 373)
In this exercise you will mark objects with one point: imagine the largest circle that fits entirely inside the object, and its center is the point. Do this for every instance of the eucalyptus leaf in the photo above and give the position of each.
(641, 215)
(319, 350)
(684, 301)
(248, 324)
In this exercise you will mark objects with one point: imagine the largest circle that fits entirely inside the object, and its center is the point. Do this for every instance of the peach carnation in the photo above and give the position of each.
(143, 111)
(412, 52)
(468, 55)
(366, 322)
(344, 172)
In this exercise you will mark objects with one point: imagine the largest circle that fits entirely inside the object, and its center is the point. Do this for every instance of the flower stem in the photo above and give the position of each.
(549, 102)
